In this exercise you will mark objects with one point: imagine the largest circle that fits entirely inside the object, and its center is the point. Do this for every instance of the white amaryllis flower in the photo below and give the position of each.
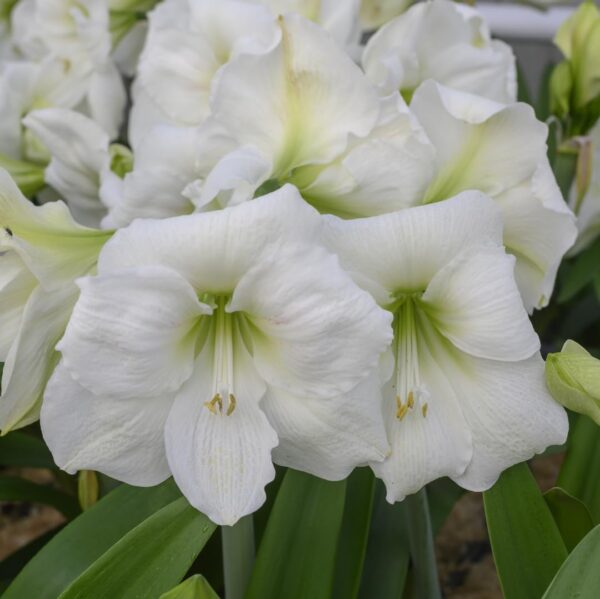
(444, 41)
(501, 151)
(327, 132)
(588, 212)
(466, 397)
(77, 33)
(42, 252)
(208, 340)
(188, 43)
(85, 169)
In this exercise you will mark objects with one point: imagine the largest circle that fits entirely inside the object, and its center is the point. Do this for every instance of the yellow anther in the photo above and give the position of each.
(232, 404)
(402, 410)
(213, 403)
(424, 409)
(411, 400)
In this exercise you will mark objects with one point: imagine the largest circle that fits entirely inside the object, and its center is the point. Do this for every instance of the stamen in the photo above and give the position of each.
(408, 379)
(223, 383)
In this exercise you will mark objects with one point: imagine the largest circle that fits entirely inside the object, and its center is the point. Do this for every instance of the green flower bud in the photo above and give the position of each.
(121, 159)
(573, 377)
(579, 40)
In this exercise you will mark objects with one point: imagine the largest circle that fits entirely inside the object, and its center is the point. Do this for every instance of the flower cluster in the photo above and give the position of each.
(289, 249)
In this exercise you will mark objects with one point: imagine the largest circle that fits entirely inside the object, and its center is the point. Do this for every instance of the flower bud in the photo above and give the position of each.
(573, 377)
(579, 40)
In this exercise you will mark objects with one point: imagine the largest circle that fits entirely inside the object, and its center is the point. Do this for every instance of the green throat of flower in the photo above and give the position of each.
(411, 393)
(221, 333)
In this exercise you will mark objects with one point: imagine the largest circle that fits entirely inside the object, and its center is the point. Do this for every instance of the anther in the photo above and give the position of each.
(424, 408)
(214, 402)
(232, 404)
(411, 400)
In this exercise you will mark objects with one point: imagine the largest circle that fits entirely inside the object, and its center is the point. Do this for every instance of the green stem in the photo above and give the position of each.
(238, 556)
(565, 165)
(422, 553)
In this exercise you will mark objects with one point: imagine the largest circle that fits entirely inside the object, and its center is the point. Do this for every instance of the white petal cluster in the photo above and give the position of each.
(288, 249)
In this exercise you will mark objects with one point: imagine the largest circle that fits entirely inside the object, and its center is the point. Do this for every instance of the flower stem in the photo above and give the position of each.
(238, 556)
(420, 535)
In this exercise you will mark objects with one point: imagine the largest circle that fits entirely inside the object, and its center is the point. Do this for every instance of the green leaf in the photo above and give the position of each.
(13, 488)
(585, 267)
(86, 538)
(579, 576)
(354, 535)
(527, 546)
(386, 562)
(149, 559)
(570, 514)
(195, 587)
(23, 450)
(583, 459)
(296, 557)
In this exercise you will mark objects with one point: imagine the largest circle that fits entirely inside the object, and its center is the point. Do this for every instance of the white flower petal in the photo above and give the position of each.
(510, 412)
(221, 462)
(107, 98)
(129, 334)
(55, 248)
(480, 144)
(16, 285)
(538, 230)
(424, 447)
(79, 149)
(32, 358)
(120, 437)
(402, 251)
(328, 438)
(213, 250)
(317, 332)
(299, 103)
(475, 303)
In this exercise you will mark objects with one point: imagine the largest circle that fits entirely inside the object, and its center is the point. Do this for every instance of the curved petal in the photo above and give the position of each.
(213, 250)
(120, 437)
(107, 98)
(388, 170)
(480, 144)
(79, 149)
(424, 447)
(55, 248)
(538, 229)
(475, 303)
(221, 462)
(32, 355)
(510, 412)
(130, 332)
(317, 333)
(402, 251)
(328, 438)
(16, 285)
(298, 103)
(165, 163)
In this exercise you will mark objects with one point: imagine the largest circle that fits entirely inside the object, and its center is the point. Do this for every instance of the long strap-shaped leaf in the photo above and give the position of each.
(527, 545)
(21, 449)
(149, 559)
(579, 576)
(86, 538)
(296, 558)
(582, 459)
